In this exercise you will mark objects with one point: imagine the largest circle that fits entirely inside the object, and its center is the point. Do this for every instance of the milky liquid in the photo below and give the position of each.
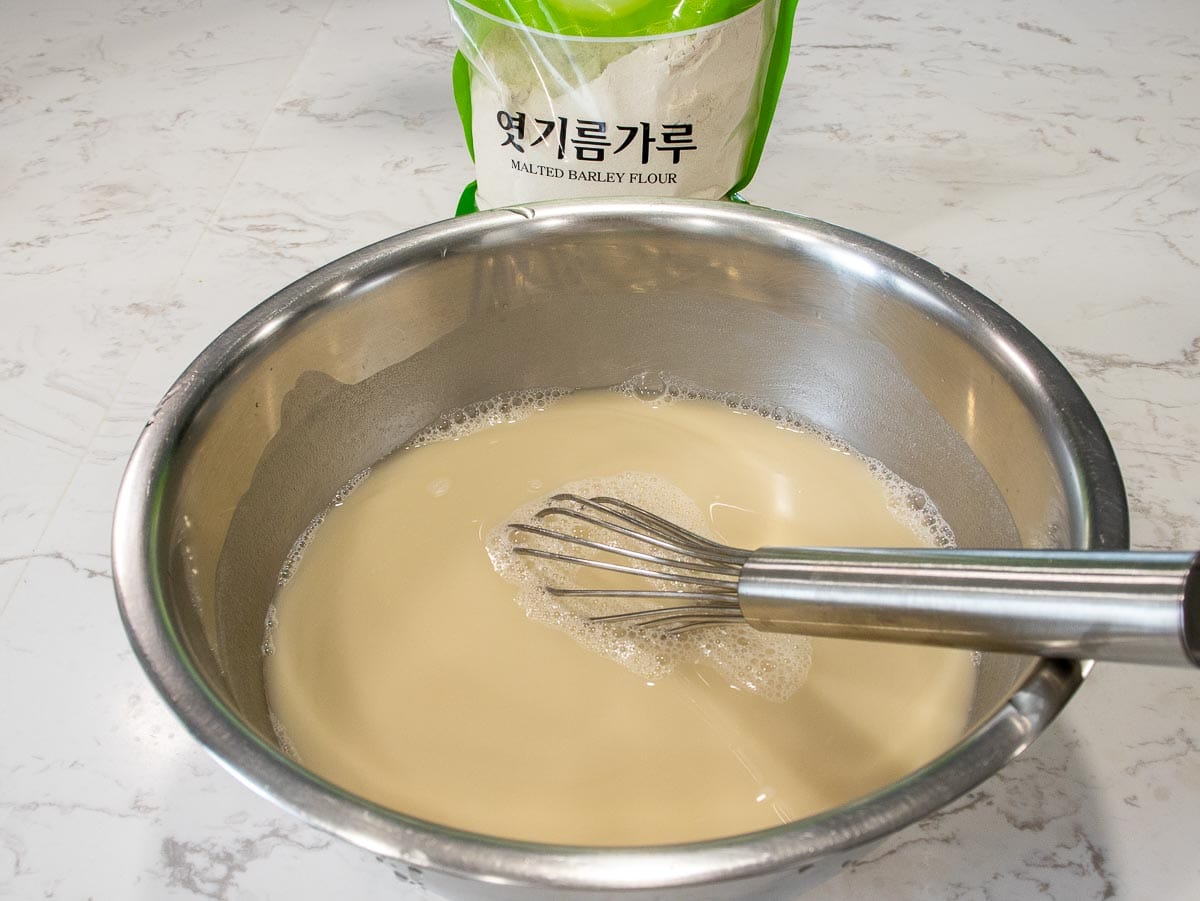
(404, 668)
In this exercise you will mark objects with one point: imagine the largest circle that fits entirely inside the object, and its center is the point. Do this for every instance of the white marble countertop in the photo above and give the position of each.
(165, 164)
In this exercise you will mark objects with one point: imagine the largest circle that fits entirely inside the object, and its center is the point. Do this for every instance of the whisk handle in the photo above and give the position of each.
(1138, 607)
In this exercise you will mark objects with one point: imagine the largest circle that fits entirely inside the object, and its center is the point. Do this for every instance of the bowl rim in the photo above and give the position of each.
(1047, 685)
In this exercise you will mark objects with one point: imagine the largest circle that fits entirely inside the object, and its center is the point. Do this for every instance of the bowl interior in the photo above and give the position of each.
(905, 363)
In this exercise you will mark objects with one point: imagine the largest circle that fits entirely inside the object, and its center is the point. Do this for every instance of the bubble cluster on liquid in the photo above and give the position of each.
(272, 620)
(510, 407)
(774, 666)
(346, 490)
(292, 560)
(912, 507)
(662, 388)
(281, 735)
(294, 556)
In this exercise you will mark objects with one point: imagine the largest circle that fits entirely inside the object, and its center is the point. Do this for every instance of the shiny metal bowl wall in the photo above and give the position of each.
(905, 362)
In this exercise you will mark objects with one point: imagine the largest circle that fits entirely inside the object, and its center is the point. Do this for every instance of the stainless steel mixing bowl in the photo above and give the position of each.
(907, 363)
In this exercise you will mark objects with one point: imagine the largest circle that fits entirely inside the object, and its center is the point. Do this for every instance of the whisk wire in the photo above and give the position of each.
(620, 568)
(674, 620)
(692, 565)
(648, 528)
(663, 526)
(715, 597)
(706, 611)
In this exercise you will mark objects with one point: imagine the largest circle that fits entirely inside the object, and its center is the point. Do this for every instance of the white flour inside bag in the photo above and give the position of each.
(560, 101)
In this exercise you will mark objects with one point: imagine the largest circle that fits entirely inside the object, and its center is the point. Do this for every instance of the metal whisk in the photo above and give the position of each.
(1139, 607)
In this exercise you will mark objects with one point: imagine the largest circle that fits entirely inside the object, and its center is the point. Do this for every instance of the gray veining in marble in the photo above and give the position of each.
(168, 163)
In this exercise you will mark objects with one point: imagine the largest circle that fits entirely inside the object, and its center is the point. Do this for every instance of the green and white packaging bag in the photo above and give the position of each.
(592, 98)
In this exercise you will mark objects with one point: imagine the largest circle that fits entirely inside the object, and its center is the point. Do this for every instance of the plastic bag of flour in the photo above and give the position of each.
(587, 98)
